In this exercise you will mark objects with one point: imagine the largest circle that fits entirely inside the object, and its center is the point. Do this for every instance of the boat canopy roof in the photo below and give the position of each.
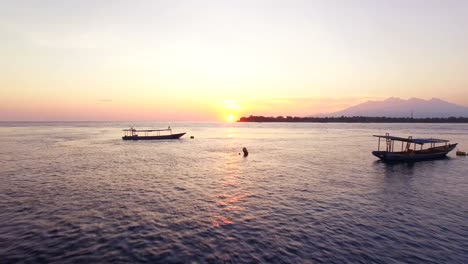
(414, 140)
(147, 130)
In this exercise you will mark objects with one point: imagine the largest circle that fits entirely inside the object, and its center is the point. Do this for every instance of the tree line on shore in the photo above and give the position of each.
(353, 119)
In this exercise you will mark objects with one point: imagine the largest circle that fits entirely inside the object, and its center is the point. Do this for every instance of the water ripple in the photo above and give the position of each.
(306, 193)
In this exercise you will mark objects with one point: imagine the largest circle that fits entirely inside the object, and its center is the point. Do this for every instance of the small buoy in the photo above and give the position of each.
(246, 153)
(192, 137)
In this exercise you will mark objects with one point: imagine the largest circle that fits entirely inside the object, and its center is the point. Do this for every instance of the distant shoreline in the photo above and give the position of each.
(351, 119)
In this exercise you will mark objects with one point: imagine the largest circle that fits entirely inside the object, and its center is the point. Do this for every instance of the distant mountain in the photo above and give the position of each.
(396, 107)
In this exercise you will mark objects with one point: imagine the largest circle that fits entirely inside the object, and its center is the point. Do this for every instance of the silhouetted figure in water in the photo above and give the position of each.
(246, 153)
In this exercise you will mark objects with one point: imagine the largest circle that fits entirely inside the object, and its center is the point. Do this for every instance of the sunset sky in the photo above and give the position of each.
(206, 60)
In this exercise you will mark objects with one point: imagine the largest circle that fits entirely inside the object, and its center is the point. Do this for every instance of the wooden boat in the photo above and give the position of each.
(132, 134)
(461, 153)
(412, 148)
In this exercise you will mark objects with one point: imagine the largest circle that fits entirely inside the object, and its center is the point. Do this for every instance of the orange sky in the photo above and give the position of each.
(203, 61)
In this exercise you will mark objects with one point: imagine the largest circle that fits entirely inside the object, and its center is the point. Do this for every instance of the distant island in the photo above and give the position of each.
(391, 110)
(352, 119)
(396, 107)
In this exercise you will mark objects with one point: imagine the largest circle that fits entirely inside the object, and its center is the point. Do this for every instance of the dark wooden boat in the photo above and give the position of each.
(409, 149)
(133, 134)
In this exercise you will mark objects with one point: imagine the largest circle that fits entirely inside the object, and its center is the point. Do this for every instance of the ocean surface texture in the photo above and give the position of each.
(76, 192)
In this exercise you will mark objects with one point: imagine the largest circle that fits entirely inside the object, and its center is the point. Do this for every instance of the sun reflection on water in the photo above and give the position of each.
(230, 195)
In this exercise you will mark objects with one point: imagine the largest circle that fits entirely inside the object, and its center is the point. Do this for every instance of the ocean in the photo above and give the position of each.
(307, 193)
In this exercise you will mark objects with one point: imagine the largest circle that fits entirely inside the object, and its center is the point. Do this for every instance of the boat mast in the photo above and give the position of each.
(388, 141)
(408, 144)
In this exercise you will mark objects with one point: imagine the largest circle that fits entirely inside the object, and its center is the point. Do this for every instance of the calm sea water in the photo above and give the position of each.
(75, 192)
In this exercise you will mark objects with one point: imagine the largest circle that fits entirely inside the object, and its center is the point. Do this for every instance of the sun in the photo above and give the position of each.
(229, 118)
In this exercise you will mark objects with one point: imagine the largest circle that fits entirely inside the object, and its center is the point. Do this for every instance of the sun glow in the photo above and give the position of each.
(229, 118)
